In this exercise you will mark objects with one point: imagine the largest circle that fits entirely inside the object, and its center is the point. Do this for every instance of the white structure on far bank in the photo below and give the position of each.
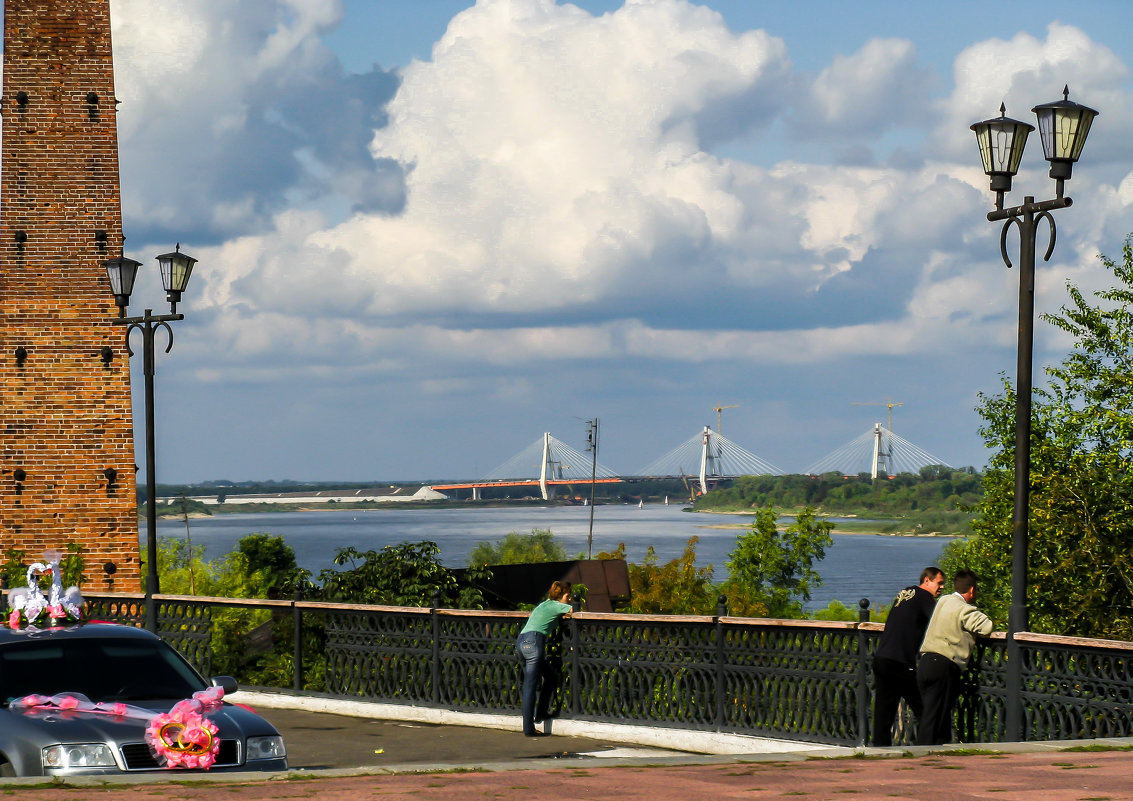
(373, 494)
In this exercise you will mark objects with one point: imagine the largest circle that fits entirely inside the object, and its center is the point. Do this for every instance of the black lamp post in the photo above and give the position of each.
(1063, 126)
(176, 267)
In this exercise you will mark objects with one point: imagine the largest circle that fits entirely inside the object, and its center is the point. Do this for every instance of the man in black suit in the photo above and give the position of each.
(895, 661)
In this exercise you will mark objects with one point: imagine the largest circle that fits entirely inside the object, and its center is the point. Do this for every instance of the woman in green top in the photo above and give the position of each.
(539, 678)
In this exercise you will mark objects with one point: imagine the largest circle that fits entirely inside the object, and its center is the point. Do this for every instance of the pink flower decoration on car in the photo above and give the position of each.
(183, 737)
(67, 702)
(14, 619)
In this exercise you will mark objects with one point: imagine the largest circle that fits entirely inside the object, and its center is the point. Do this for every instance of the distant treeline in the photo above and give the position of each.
(628, 492)
(935, 489)
(222, 489)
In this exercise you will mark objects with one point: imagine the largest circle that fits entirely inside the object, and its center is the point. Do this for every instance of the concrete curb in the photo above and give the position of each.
(701, 746)
(697, 742)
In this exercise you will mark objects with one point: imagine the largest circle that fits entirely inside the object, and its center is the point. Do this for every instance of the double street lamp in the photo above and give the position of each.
(1063, 127)
(176, 267)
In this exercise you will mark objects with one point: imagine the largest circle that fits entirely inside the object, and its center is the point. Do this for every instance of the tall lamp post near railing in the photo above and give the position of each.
(176, 267)
(1063, 127)
(592, 447)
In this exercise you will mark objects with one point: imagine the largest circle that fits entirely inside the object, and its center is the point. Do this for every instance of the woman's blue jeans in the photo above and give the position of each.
(540, 679)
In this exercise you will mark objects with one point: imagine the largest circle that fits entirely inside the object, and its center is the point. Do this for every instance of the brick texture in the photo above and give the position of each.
(66, 416)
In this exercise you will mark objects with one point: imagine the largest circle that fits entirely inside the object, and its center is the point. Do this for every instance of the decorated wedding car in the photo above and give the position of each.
(80, 697)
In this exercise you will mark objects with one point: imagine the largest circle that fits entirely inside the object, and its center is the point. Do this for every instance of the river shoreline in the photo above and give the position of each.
(273, 509)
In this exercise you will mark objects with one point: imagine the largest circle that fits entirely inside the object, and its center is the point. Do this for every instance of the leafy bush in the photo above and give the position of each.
(519, 549)
(771, 572)
(677, 587)
(406, 574)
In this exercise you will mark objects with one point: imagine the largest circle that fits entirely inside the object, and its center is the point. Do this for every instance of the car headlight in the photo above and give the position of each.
(266, 748)
(78, 755)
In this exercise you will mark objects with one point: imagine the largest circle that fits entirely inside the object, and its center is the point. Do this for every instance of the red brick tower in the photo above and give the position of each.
(66, 447)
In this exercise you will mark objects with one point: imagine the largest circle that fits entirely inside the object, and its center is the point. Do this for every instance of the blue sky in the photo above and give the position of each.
(429, 232)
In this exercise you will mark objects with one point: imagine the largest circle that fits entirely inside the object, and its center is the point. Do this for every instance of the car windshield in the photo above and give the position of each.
(103, 669)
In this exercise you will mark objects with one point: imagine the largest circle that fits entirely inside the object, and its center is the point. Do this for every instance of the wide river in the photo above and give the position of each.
(857, 566)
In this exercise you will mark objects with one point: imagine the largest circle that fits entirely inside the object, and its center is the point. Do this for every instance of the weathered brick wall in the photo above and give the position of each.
(66, 416)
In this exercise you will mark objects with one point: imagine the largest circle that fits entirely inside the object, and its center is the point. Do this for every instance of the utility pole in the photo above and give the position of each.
(592, 448)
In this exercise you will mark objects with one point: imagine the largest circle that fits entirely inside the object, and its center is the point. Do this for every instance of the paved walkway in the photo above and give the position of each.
(1080, 776)
(413, 760)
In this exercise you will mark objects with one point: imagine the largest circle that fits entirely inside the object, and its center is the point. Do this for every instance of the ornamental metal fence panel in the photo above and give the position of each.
(1073, 693)
(658, 670)
(379, 654)
(798, 680)
(981, 710)
(795, 681)
(477, 665)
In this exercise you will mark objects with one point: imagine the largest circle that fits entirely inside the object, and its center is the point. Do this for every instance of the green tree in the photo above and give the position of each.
(771, 572)
(519, 549)
(836, 610)
(183, 570)
(677, 587)
(406, 574)
(273, 559)
(1080, 560)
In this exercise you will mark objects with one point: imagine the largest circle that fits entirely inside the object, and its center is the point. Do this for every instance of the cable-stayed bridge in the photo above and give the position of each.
(549, 463)
(554, 464)
(713, 456)
(877, 452)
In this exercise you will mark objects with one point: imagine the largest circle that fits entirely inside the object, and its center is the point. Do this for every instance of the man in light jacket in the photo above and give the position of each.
(945, 652)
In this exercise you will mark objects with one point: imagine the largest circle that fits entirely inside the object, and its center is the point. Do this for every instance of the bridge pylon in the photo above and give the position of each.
(709, 458)
(549, 468)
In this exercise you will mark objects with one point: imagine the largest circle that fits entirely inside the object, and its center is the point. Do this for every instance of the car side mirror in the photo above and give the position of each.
(226, 683)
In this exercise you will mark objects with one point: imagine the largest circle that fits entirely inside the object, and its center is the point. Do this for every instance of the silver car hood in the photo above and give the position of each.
(24, 733)
(91, 727)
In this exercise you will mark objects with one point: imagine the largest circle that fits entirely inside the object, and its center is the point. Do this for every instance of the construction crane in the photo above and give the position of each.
(889, 404)
(720, 416)
(688, 489)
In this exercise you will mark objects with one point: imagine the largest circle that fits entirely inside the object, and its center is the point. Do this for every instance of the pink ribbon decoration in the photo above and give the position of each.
(180, 738)
(70, 703)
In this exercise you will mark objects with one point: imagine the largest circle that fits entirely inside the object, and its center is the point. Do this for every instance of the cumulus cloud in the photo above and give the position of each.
(554, 187)
(558, 160)
(232, 112)
(548, 164)
(880, 86)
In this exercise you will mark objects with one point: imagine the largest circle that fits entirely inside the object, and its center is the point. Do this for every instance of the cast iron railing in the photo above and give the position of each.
(792, 679)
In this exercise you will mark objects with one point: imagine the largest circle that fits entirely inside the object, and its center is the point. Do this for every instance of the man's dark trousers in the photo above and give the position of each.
(892, 681)
(938, 679)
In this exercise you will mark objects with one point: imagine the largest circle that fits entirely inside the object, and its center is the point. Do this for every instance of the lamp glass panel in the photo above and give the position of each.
(1018, 145)
(1063, 130)
(983, 139)
(176, 268)
(1001, 145)
(122, 273)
